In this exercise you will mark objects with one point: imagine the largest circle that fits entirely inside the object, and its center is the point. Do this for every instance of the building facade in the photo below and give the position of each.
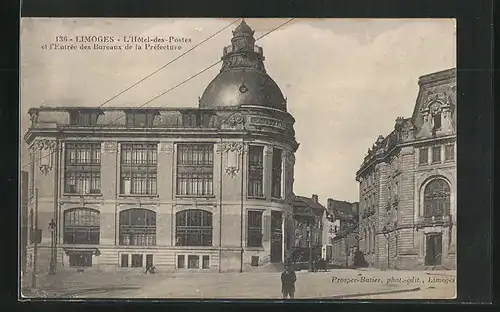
(407, 184)
(207, 188)
(309, 221)
(24, 221)
(344, 231)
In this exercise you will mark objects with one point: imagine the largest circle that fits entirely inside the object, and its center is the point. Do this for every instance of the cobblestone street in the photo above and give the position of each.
(335, 284)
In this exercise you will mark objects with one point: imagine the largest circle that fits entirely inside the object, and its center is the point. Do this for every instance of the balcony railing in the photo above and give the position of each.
(424, 221)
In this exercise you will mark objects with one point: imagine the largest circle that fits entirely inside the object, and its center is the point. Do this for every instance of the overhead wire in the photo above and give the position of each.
(167, 91)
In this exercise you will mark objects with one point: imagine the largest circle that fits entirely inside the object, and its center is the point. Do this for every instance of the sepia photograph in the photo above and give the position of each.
(237, 158)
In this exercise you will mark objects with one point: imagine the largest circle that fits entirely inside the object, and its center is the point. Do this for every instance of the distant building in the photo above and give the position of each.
(308, 216)
(203, 189)
(407, 184)
(344, 239)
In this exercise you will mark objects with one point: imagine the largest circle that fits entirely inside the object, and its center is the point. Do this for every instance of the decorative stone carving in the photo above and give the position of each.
(234, 121)
(167, 148)
(234, 150)
(233, 147)
(44, 151)
(232, 171)
(268, 151)
(110, 146)
(45, 144)
(407, 130)
(269, 122)
(34, 118)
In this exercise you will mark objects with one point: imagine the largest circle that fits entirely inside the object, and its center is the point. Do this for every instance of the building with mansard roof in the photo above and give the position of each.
(206, 188)
(408, 183)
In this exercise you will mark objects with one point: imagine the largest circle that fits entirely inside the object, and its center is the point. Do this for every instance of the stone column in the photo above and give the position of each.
(165, 188)
(110, 187)
(267, 174)
(283, 238)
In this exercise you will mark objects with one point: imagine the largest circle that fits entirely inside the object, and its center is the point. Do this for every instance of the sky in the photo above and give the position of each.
(345, 80)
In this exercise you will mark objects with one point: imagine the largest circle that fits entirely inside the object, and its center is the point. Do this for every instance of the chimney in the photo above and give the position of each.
(329, 203)
(314, 197)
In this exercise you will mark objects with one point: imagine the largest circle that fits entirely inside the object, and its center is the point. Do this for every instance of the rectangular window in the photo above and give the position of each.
(143, 118)
(276, 173)
(124, 261)
(423, 156)
(193, 262)
(436, 154)
(139, 169)
(255, 171)
(81, 226)
(195, 169)
(82, 168)
(449, 152)
(254, 238)
(84, 118)
(137, 261)
(436, 121)
(80, 259)
(206, 262)
(180, 262)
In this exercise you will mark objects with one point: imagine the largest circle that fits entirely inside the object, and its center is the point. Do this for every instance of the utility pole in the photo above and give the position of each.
(33, 278)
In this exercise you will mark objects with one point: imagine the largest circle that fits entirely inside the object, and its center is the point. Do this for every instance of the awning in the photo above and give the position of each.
(73, 250)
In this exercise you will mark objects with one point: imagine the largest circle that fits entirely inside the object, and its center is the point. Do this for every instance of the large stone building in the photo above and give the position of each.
(207, 188)
(407, 184)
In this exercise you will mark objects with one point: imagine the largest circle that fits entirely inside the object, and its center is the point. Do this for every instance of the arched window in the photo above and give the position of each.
(437, 198)
(193, 228)
(81, 226)
(138, 227)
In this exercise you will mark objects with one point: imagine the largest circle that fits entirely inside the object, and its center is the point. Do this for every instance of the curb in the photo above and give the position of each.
(384, 292)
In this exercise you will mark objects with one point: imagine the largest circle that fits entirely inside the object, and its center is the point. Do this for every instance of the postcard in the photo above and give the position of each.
(238, 158)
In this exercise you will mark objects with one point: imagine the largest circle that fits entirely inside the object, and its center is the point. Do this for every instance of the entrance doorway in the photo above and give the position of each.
(434, 249)
(276, 237)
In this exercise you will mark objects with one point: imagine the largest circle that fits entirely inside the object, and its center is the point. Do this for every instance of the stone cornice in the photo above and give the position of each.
(378, 158)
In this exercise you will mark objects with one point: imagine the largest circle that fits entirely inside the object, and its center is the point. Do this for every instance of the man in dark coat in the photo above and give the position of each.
(288, 279)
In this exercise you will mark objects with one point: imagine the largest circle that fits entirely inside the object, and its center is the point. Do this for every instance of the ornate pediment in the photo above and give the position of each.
(234, 121)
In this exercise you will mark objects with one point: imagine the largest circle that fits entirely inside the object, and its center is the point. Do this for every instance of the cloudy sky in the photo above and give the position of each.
(346, 80)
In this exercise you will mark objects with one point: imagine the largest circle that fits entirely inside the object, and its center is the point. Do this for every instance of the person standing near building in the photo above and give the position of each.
(288, 279)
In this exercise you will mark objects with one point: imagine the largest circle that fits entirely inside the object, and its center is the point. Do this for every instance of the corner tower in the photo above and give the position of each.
(243, 80)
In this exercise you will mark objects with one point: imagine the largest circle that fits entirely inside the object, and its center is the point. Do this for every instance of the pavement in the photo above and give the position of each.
(335, 284)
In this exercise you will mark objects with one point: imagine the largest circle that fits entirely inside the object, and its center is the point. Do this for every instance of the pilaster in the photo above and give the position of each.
(267, 174)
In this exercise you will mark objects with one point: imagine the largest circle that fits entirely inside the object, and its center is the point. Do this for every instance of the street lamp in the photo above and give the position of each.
(385, 231)
(309, 238)
(52, 230)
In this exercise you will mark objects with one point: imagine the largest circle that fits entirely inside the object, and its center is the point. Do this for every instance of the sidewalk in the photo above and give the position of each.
(340, 283)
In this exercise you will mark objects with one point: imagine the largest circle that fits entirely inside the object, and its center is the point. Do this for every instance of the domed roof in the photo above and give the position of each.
(241, 87)
(243, 79)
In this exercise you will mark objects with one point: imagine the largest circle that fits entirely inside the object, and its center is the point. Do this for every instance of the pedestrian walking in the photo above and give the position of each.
(288, 279)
